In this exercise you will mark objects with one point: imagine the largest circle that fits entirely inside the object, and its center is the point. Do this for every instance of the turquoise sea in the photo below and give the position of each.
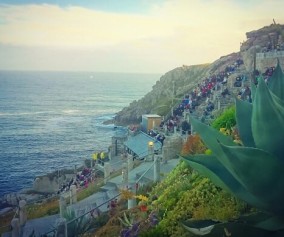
(54, 120)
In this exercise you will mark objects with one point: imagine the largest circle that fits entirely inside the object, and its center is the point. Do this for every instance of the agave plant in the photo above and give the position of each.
(253, 172)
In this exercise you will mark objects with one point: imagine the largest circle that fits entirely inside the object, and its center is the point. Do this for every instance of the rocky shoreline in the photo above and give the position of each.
(43, 188)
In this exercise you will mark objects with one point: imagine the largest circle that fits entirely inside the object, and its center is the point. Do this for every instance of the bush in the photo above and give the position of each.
(185, 194)
(193, 145)
(226, 119)
(154, 232)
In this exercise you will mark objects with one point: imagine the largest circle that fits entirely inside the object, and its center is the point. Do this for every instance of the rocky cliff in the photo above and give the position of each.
(176, 83)
(166, 91)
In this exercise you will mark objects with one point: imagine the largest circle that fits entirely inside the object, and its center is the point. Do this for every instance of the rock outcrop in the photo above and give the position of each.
(51, 183)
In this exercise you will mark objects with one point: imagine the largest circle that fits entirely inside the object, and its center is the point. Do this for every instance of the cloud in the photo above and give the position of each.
(48, 25)
(170, 34)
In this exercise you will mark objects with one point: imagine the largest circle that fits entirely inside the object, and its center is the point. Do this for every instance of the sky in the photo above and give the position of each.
(126, 35)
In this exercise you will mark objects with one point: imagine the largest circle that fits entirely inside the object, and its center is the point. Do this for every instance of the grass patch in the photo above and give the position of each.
(43, 209)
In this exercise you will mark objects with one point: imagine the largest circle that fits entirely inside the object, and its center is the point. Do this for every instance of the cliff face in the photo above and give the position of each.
(173, 84)
(176, 83)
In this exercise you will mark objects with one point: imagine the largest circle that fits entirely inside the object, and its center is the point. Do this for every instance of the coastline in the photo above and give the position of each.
(10, 200)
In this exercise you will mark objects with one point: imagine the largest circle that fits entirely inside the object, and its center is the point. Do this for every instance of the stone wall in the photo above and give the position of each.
(172, 147)
(269, 59)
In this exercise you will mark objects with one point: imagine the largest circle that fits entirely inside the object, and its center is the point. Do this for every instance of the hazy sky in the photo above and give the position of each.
(126, 35)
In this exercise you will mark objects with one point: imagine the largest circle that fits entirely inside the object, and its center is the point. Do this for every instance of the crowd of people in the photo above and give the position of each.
(205, 88)
(158, 136)
(81, 180)
(202, 93)
(245, 94)
(272, 47)
(239, 79)
(65, 187)
(266, 75)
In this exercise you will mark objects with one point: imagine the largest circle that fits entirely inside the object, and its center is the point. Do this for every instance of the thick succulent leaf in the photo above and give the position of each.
(259, 222)
(253, 89)
(259, 172)
(273, 224)
(276, 82)
(199, 227)
(243, 118)
(209, 166)
(211, 136)
(268, 120)
(263, 220)
(228, 229)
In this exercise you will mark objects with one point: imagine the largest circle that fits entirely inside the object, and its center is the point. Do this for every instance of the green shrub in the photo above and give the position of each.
(226, 119)
(154, 232)
(185, 194)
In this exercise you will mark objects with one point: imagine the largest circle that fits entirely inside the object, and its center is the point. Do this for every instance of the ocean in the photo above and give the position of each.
(54, 120)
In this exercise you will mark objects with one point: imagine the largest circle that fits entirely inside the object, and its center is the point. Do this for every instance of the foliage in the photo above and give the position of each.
(51, 207)
(162, 107)
(153, 232)
(78, 226)
(130, 222)
(233, 133)
(193, 145)
(260, 127)
(203, 200)
(226, 119)
(127, 194)
(171, 188)
(91, 189)
(185, 194)
(145, 189)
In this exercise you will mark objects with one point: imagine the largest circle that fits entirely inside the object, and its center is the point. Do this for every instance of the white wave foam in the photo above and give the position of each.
(71, 111)
(25, 113)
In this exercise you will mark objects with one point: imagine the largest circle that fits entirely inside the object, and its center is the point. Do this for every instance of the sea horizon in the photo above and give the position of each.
(159, 74)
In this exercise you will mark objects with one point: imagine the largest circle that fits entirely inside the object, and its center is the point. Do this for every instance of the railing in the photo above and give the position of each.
(91, 217)
(76, 220)
(53, 232)
(101, 168)
(145, 172)
(54, 196)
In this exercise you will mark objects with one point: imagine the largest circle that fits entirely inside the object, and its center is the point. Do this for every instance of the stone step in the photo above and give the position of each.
(147, 178)
(109, 186)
